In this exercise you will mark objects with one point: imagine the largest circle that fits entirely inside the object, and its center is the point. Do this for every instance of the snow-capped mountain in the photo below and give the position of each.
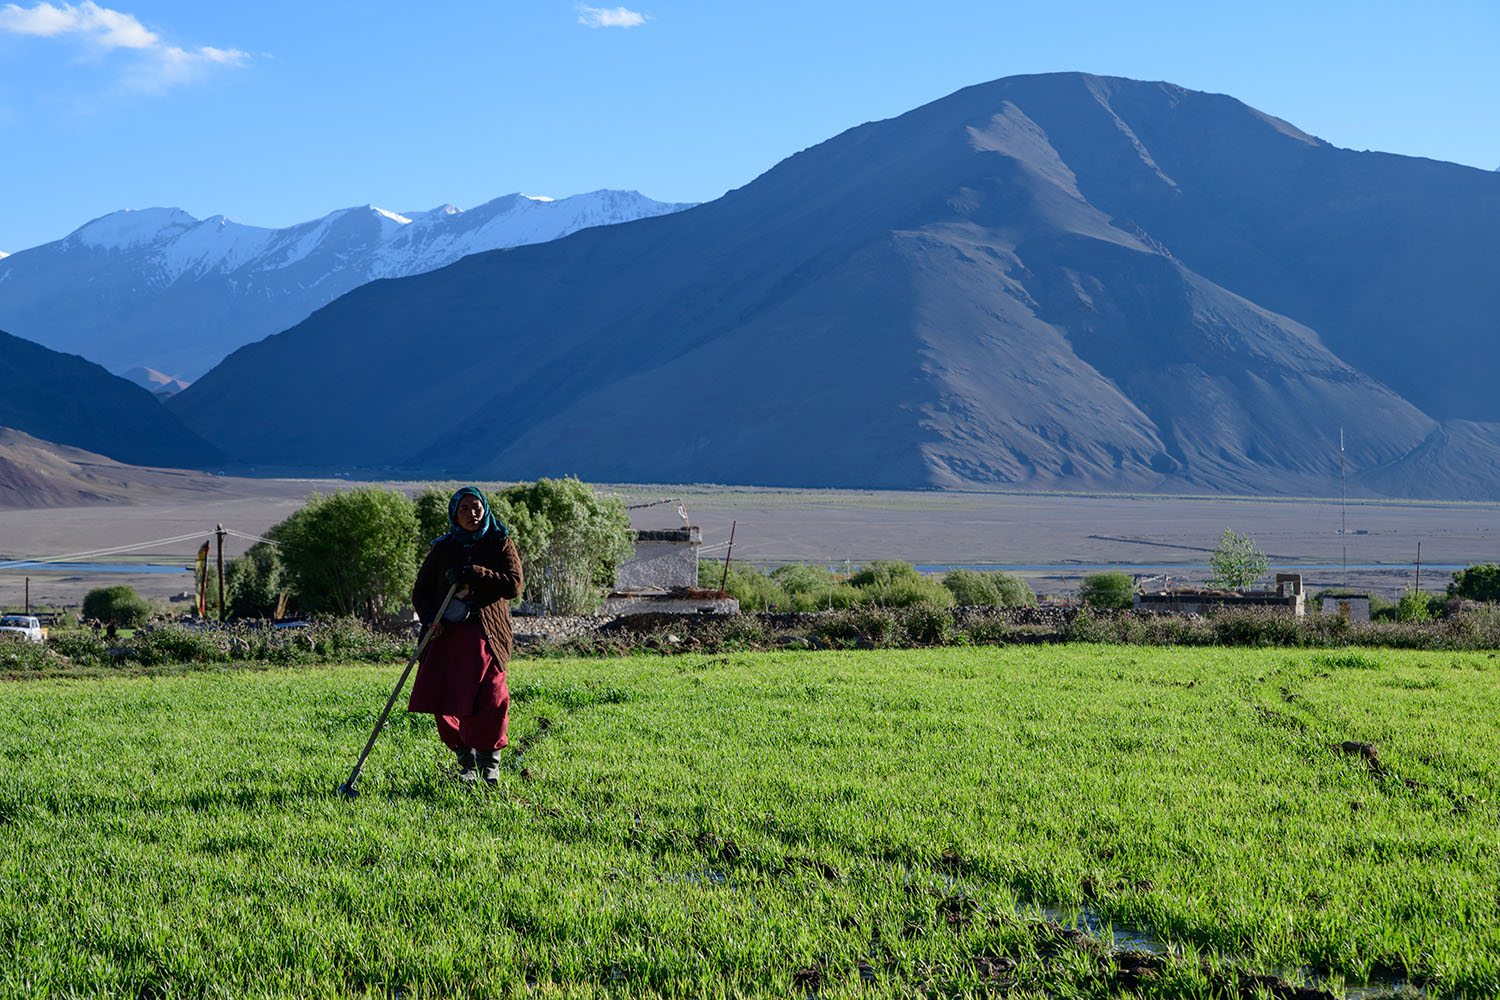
(159, 289)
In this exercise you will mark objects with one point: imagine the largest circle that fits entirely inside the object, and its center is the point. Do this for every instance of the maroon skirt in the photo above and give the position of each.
(457, 675)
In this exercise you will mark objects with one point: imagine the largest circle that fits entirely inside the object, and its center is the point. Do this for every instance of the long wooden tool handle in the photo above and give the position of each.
(348, 786)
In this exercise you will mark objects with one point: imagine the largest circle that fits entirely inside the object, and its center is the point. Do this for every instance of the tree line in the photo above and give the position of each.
(356, 552)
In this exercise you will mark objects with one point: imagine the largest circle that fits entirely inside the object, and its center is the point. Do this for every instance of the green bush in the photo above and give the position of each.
(977, 588)
(17, 655)
(893, 584)
(84, 647)
(920, 624)
(904, 593)
(349, 553)
(1477, 583)
(570, 538)
(753, 589)
(253, 583)
(1107, 590)
(800, 578)
(1414, 606)
(118, 605)
(813, 588)
(883, 573)
(175, 644)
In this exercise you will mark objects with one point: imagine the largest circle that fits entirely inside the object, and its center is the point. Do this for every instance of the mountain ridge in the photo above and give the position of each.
(161, 289)
(70, 401)
(1055, 281)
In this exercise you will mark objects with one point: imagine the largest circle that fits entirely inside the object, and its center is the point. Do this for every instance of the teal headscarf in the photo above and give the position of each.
(488, 526)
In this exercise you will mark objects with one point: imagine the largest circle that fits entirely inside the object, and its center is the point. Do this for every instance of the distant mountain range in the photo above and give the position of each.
(1056, 281)
(64, 399)
(159, 289)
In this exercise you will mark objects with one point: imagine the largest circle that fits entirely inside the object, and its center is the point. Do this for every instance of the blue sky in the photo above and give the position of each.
(276, 112)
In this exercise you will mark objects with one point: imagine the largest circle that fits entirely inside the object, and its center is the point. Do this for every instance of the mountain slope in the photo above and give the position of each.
(160, 289)
(69, 401)
(1042, 281)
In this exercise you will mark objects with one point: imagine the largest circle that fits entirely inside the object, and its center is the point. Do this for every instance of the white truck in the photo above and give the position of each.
(23, 627)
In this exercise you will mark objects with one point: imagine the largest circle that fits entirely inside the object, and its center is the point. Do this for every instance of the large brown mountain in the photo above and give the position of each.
(1045, 281)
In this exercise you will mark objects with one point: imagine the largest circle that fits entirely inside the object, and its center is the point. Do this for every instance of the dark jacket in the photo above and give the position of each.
(497, 579)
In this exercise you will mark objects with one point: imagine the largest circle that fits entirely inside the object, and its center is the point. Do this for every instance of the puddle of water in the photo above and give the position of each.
(1119, 937)
(1127, 938)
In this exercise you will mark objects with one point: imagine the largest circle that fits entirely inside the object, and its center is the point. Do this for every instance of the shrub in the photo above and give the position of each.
(1414, 606)
(84, 647)
(1107, 590)
(16, 655)
(813, 588)
(898, 585)
(175, 644)
(882, 573)
(800, 578)
(1477, 583)
(928, 624)
(976, 588)
(1255, 627)
(349, 553)
(571, 540)
(906, 593)
(118, 605)
(753, 589)
(1236, 562)
(1089, 626)
(253, 585)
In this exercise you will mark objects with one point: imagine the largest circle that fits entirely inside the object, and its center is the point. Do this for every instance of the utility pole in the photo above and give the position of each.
(724, 580)
(1343, 509)
(219, 531)
(1418, 587)
(28, 595)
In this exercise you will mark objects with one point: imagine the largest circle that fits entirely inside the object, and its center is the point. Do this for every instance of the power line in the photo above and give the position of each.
(99, 552)
(253, 538)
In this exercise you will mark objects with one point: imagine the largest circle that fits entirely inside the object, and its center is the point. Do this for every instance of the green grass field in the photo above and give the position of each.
(834, 823)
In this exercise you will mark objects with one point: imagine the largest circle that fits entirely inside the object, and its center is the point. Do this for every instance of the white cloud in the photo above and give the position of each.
(167, 66)
(156, 65)
(610, 17)
(107, 28)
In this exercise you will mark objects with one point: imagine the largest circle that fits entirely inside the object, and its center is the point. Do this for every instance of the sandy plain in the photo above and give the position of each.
(1054, 538)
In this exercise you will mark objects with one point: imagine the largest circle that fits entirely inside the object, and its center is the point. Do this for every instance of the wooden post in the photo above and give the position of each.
(28, 595)
(1418, 587)
(219, 531)
(724, 580)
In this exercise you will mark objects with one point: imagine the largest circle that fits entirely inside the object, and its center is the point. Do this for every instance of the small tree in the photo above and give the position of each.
(1477, 583)
(118, 605)
(570, 539)
(253, 584)
(1236, 562)
(1414, 606)
(432, 517)
(1107, 590)
(350, 553)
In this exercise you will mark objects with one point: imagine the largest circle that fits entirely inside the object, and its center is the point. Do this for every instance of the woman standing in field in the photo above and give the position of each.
(461, 679)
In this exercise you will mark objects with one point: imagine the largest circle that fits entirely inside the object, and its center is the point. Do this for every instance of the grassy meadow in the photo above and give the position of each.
(931, 822)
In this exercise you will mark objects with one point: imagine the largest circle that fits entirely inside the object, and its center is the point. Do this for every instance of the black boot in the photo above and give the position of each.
(466, 760)
(488, 762)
